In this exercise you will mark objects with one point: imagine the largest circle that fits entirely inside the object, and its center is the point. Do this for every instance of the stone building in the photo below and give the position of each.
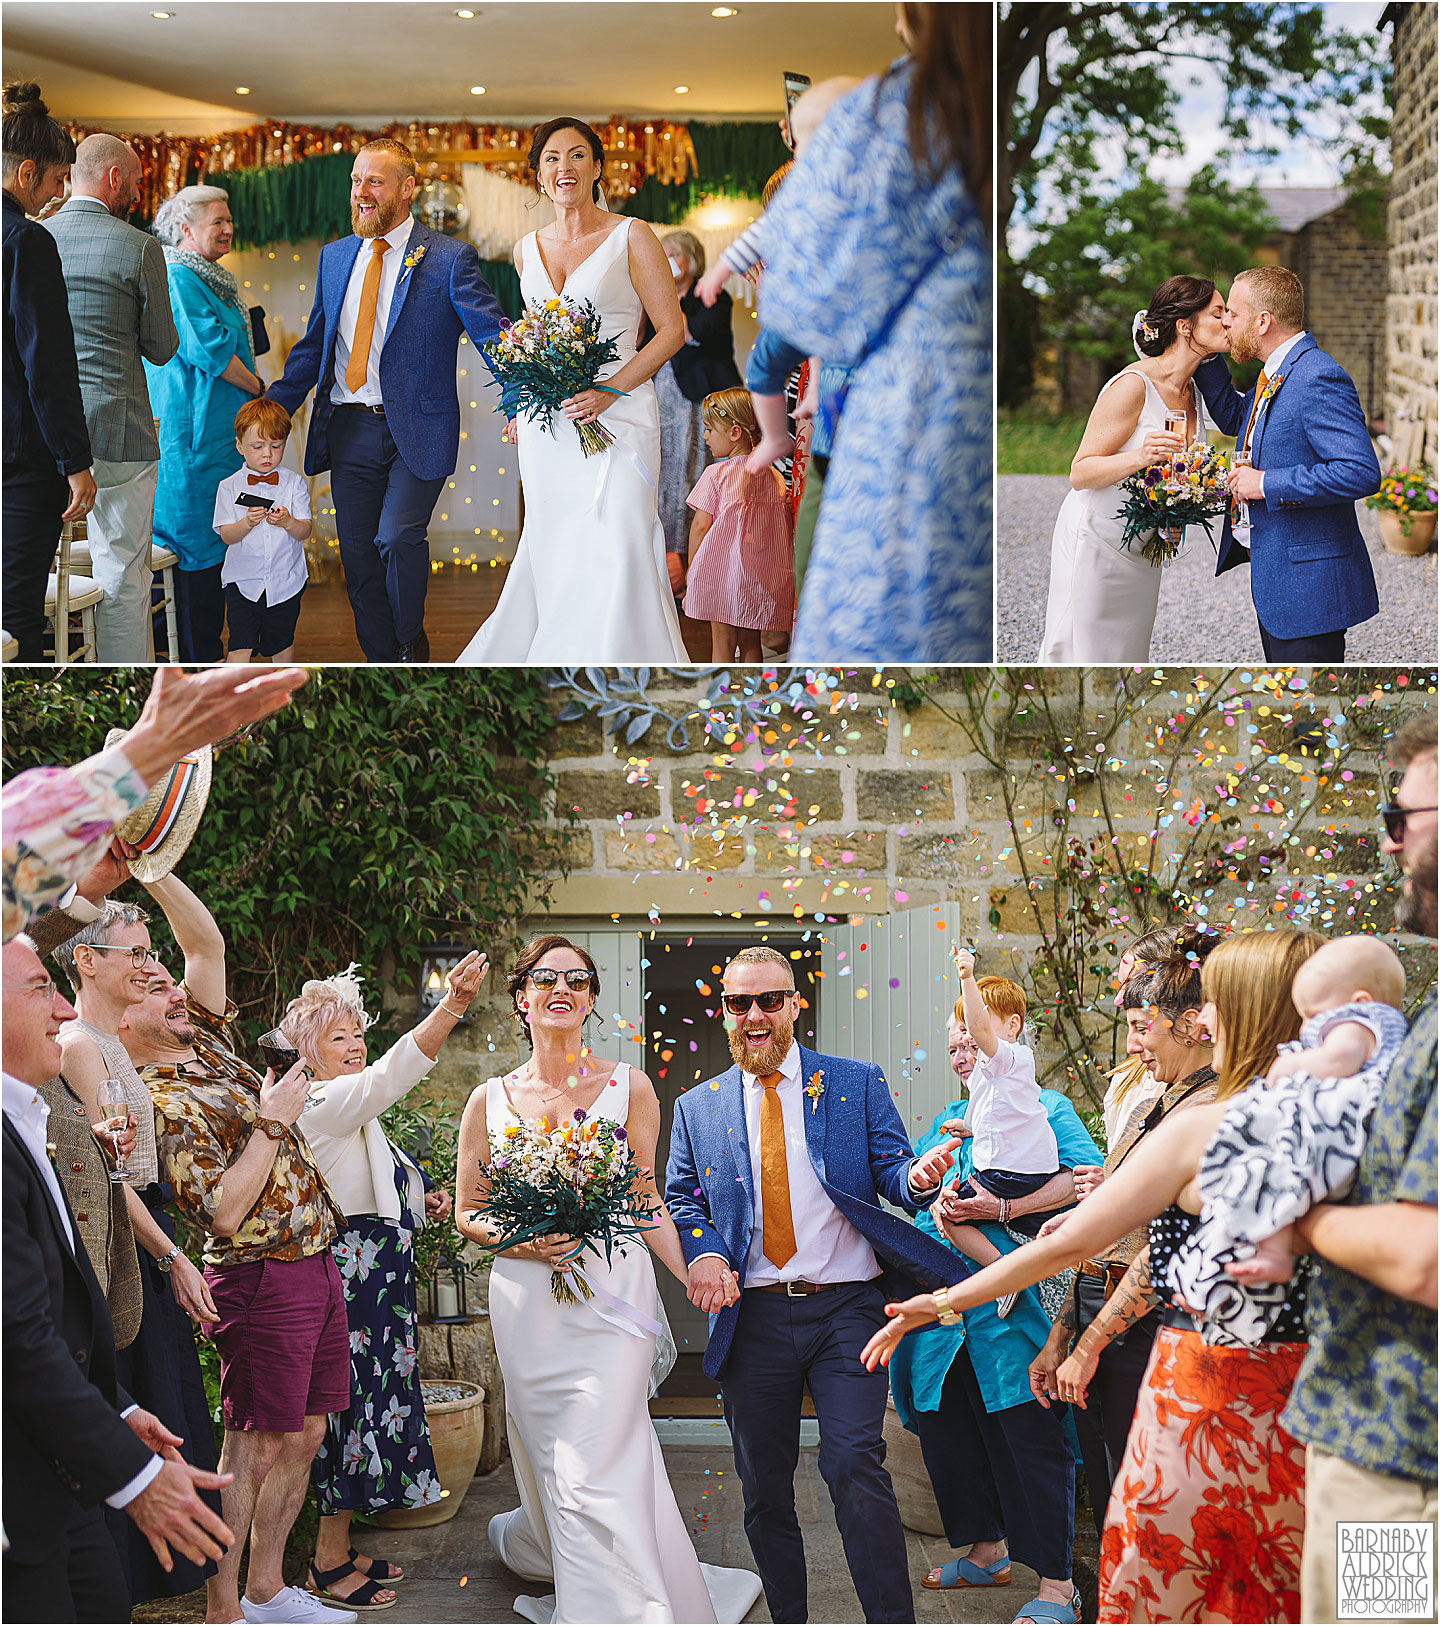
(1411, 309)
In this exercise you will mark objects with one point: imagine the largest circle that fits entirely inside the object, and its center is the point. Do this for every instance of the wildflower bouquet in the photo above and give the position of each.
(553, 352)
(1188, 488)
(1406, 492)
(577, 1178)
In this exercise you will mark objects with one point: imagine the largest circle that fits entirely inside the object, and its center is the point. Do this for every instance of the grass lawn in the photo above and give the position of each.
(1031, 442)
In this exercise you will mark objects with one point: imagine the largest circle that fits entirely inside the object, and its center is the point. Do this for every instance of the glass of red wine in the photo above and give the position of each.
(279, 1055)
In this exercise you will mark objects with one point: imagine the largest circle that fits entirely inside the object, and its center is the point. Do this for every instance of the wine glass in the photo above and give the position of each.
(1175, 423)
(115, 1108)
(280, 1056)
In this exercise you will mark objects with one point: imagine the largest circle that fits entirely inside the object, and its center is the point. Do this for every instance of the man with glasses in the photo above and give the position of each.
(1364, 1402)
(243, 1175)
(65, 1447)
(777, 1171)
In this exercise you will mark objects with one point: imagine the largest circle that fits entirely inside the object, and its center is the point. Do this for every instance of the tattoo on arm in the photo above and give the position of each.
(1130, 1303)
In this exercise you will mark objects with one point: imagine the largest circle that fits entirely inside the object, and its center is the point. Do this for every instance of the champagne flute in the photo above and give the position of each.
(115, 1106)
(1175, 423)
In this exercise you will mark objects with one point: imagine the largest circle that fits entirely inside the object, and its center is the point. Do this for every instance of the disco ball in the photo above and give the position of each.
(441, 206)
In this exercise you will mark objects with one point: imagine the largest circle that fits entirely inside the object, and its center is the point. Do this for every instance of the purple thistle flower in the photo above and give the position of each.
(620, 1134)
(578, 1116)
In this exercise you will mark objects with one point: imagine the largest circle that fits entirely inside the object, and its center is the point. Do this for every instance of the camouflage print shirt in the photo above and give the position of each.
(205, 1114)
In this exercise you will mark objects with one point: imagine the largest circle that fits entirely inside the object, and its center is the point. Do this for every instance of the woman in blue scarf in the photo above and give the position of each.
(1001, 1464)
(196, 396)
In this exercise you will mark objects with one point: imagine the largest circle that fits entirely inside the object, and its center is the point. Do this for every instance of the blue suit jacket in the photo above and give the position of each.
(441, 295)
(858, 1149)
(1309, 569)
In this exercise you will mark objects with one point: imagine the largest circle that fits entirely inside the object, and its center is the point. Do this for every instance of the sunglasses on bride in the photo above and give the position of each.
(545, 976)
(770, 1001)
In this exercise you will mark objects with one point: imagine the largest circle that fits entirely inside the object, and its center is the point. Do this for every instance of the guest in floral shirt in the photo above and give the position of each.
(1364, 1402)
(231, 1147)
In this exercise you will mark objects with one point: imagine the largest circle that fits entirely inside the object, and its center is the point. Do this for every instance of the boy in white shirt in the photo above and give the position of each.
(262, 515)
(1013, 1151)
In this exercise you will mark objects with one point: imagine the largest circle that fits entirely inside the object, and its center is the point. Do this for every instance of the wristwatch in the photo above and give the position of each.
(273, 1128)
(946, 1316)
(169, 1259)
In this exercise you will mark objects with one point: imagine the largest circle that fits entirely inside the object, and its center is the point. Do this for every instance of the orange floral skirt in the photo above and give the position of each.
(1207, 1513)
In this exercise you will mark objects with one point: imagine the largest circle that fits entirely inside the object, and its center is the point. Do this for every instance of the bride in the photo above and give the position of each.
(1102, 597)
(589, 583)
(597, 1517)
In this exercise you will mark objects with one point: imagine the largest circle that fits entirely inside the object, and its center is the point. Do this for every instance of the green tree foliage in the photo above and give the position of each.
(383, 811)
(1100, 264)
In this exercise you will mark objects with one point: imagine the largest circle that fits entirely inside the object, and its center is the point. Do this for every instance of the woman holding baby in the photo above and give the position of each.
(1207, 1514)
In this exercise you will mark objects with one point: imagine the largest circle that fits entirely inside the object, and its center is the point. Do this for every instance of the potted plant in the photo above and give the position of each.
(1406, 505)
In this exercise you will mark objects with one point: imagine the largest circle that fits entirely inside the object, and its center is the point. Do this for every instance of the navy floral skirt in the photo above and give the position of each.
(377, 1454)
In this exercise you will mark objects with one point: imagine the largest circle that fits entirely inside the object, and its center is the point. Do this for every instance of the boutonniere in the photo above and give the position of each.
(1271, 385)
(412, 259)
(51, 1148)
(815, 1089)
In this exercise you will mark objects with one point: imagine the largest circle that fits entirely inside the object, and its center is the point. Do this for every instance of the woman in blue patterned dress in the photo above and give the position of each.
(878, 259)
(376, 1454)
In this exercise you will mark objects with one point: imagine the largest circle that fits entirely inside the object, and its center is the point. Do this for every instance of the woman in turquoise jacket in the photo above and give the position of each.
(195, 396)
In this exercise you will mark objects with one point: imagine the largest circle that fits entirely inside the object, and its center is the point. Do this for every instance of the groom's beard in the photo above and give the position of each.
(383, 221)
(1242, 343)
(1416, 910)
(768, 1058)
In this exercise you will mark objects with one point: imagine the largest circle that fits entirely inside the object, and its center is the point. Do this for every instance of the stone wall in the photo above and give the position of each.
(1341, 259)
(1411, 307)
(881, 810)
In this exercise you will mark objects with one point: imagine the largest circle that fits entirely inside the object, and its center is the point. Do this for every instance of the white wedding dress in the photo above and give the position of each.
(588, 585)
(597, 1517)
(1103, 597)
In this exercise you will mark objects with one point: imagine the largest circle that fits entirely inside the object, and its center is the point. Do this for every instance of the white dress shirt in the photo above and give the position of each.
(268, 560)
(1273, 364)
(1007, 1117)
(369, 392)
(29, 1112)
(828, 1248)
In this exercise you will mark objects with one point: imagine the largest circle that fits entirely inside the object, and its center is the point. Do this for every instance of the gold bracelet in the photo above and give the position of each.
(947, 1316)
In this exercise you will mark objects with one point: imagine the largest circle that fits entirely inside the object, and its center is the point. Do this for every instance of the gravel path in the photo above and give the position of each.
(1202, 618)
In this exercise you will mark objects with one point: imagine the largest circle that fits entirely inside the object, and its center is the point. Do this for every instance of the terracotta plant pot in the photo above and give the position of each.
(457, 1431)
(1420, 540)
(906, 1466)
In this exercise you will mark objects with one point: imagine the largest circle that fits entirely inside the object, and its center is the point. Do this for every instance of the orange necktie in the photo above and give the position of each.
(778, 1239)
(365, 322)
(1243, 446)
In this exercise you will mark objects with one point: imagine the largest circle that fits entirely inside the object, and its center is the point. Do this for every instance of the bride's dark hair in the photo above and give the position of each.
(579, 126)
(1175, 299)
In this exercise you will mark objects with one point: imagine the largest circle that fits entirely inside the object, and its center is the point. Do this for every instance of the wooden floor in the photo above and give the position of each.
(459, 599)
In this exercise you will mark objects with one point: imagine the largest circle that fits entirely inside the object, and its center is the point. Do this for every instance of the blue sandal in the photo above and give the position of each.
(1063, 1614)
(963, 1572)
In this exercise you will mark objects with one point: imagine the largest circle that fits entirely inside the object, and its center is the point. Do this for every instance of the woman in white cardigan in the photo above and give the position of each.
(376, 1454)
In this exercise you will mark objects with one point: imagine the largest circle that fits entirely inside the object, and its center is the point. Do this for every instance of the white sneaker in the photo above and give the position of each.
(291, 1604)
(1005, 1304)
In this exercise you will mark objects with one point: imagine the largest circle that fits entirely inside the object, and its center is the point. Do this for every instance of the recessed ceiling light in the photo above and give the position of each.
(682, 90)
(477, 90)
(242, 90)
(725, 11)
(162, 15)
(466, 14)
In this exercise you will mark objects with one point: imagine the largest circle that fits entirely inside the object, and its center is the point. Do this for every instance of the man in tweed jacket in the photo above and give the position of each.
(120, 310)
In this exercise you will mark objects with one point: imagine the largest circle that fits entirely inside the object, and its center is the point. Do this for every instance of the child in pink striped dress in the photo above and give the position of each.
(742, 558)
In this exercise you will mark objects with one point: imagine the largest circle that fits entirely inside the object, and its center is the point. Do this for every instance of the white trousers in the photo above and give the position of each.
(119, 533)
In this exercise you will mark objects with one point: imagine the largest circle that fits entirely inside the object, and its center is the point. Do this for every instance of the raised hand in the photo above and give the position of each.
(462, 981)
(931, 1167)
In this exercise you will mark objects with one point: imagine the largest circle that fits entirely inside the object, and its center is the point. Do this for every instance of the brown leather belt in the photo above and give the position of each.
(797, 1290)
(1091, 1268)
(1111, 1272)
(358, 406)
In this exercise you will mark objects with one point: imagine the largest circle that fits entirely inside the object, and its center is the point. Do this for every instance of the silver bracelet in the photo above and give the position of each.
(458, 1015)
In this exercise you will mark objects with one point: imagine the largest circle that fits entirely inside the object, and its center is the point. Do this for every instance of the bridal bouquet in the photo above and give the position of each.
(577, 1178)
(1188, 488)
(553, 352)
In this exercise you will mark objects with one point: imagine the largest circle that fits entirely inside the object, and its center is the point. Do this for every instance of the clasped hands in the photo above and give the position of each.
(712, 1285)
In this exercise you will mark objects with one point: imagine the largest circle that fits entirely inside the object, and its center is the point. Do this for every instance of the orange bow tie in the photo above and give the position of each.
(265, 479)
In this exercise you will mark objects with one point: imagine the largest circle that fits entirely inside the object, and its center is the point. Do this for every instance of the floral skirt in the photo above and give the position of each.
(377, 1454)
(1207, 1512)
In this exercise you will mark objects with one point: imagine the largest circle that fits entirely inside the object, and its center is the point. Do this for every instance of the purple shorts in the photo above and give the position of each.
(284, 1342)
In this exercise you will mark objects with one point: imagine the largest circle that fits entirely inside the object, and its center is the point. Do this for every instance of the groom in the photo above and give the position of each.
(1292, 509)
(380, 355)
(775, 1178)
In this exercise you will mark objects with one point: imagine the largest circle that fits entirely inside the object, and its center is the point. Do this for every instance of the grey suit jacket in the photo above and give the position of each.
(120, 310)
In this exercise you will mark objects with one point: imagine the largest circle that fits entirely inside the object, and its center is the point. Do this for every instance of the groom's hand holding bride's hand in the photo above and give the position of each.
(712, 1286)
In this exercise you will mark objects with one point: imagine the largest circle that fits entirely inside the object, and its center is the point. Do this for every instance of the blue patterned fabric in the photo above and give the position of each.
(873, 267)
(1001, 1350)
(1367, 1389)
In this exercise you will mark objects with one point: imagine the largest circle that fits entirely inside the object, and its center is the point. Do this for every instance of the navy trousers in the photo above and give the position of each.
(781, 1346)
(1001, 1476)
(81, 1580)
(1103, 1423)
(382, 519)
(200, 614)
(1318, 646)
(34, 499)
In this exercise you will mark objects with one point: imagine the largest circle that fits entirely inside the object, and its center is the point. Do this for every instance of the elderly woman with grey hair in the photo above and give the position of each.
(376, 1454)
(706, 362)
(196, 395)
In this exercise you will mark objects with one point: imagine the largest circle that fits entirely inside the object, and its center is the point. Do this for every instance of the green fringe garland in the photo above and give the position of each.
(291, 203)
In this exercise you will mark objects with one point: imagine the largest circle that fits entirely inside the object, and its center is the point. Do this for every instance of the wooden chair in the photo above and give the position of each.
(65, 598)
(9, 647)
(162, 564)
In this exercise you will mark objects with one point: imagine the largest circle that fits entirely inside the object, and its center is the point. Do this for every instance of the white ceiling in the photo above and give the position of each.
(376, 61)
